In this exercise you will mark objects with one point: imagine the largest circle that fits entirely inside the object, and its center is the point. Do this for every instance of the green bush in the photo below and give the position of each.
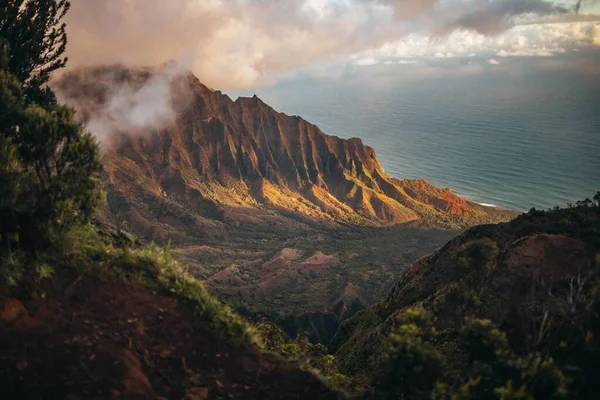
(496, 372)
(477, 255)
(412, 365)
(49, 166)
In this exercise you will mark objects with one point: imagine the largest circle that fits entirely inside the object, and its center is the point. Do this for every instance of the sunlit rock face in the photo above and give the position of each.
(181, 156)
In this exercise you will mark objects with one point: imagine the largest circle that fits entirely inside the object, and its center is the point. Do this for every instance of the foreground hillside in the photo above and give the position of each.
(102, 318)
(503, 309)
(277, 218)
(494, 310)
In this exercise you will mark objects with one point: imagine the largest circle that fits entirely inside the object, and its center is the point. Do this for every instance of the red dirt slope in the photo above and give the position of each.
(98, 336)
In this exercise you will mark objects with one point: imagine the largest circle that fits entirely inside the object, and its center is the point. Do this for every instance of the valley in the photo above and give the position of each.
(277, 218)
(160, 240)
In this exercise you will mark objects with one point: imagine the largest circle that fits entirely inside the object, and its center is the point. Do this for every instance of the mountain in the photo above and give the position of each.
(222, 160)
(535, 278)
(276, 217)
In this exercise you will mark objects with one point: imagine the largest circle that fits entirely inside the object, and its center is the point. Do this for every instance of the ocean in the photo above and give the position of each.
(523, 139)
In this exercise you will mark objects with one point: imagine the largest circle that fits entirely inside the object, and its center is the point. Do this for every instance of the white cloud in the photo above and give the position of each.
(243, 43)
(542, 40)
(400, 62)
(366, 62)
(130, 106)
(492, 61)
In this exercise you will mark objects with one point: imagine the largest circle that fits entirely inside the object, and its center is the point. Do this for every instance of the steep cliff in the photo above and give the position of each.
(216, 160)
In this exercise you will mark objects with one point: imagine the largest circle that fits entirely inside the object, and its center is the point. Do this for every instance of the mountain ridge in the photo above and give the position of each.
(231, 184)
(520, 276)
(220, 157)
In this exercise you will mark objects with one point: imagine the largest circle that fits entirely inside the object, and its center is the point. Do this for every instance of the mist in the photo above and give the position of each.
(114, 100)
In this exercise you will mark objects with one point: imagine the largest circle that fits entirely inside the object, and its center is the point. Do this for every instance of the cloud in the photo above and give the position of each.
(113, 99)
(593, 33)
(366, 61)
(582, 3)
(492, 61)
(226, 43)
(400, 62)
(542, 40)
(242, 43)
(483, 16)
(540, 52)
(497, 16)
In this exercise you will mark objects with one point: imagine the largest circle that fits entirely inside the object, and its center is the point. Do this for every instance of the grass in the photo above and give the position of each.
(88, 248)
(99, 252)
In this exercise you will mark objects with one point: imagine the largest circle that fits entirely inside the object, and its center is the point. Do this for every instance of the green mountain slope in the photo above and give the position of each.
(536, 278)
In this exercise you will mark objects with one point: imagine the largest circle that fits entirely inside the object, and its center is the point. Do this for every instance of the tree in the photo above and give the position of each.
(50, 165)
(497, 372)
(32, 43)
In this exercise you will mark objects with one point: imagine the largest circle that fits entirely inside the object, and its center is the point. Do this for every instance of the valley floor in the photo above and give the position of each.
(310, 280)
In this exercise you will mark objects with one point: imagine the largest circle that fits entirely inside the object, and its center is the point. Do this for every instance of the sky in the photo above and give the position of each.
(243, 44)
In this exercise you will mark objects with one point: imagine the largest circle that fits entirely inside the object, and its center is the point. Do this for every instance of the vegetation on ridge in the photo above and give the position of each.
(503, 311)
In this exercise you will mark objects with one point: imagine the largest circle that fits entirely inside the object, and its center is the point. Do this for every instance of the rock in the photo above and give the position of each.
(11, 310)
(197, 393)
(135, 382)
(166, 353)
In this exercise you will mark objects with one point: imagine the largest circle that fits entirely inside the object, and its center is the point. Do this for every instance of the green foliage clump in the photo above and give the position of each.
(313, 356)
(51, 168)
(497, 372)
(412, 365)
(44, 271)
(12, 266)
(48, 165)
(579, 221)
(477, 254)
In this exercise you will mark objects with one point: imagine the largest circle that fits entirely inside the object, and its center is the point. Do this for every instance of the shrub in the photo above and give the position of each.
(477, 255)
(412, 365)
(51, 167)
(497, 372)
